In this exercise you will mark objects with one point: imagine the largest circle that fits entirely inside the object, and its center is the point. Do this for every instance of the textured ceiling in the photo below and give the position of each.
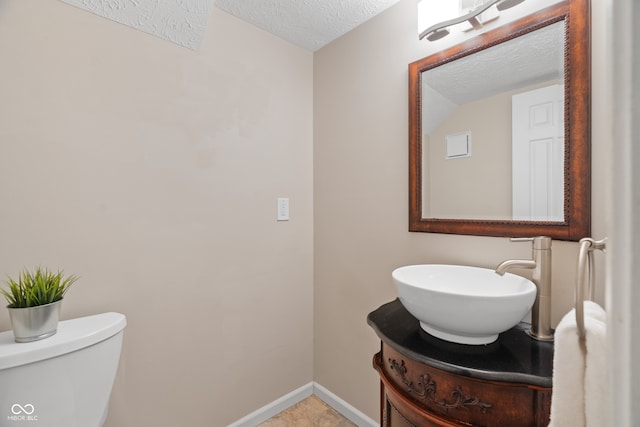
(527, 60)
(180, 21)
(310, 24)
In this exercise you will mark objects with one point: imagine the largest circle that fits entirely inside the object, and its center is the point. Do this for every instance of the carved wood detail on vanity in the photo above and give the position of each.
(426, 390)
(415, 394)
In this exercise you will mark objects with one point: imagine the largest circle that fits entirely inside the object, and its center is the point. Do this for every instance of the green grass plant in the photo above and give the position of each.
(38, 287)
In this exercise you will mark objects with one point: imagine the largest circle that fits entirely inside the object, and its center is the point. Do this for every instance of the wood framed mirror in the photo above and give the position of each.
(460, 180)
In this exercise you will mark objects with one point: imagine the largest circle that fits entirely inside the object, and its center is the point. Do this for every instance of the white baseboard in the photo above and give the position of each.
(348, 411)
(279, 405)
(275, 407)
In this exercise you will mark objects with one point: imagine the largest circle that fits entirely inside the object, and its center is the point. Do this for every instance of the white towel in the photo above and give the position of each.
(579, 371)
(595, 378)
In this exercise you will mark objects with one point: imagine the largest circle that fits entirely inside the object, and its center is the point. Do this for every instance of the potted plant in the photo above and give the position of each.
(34, 302)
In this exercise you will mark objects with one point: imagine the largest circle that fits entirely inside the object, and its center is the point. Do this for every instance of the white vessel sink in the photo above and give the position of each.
(466, 305)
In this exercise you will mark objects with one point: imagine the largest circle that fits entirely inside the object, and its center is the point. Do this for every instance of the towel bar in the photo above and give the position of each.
(585, 261)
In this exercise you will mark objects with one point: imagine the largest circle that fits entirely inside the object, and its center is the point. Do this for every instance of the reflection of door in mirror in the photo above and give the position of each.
(538, 154)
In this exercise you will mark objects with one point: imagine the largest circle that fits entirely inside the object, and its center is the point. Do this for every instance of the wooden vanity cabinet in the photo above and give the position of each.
(428, 382)
(415, 394)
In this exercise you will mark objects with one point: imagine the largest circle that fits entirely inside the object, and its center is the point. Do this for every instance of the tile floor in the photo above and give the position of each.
(310, 412)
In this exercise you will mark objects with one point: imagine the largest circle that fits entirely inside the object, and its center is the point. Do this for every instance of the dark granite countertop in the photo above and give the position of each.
(515, 357)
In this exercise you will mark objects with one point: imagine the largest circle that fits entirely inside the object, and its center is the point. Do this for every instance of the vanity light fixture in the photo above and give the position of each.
(446, 9)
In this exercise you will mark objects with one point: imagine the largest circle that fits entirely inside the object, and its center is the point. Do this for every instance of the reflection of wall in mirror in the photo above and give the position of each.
(479, 186)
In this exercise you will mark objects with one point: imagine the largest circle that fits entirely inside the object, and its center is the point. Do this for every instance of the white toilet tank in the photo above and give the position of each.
(64, 380)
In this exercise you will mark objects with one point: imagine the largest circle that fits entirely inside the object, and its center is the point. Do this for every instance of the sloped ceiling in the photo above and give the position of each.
(180, 21)
(310, 24)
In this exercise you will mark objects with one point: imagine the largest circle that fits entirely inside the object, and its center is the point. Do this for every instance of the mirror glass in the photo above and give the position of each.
(496, 118)
(499, 130)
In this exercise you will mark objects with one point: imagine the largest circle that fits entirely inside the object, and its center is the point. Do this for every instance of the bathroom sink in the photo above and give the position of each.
(461, 304)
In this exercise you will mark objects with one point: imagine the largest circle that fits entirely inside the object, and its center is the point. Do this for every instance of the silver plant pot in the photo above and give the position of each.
(35, 323)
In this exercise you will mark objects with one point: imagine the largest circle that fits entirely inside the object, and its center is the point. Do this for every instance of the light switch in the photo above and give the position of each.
(283, 209)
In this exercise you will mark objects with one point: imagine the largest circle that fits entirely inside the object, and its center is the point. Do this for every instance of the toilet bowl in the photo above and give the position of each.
(64, 380)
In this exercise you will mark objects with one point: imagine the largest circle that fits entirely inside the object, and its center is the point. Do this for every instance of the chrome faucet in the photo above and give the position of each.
(541, 266)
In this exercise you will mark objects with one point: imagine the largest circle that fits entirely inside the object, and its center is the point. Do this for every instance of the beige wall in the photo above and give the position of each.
(152, 171)
(360, 196)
